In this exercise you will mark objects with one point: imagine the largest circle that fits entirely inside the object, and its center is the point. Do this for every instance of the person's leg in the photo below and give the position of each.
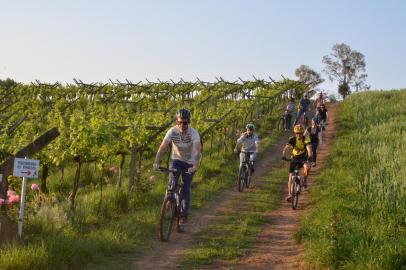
(298, 116)
(288, 119)
(291, 169)
(253, 158)
(242, 158)
(314, 150)
(187, 182)
(173, 177)
(306, 171)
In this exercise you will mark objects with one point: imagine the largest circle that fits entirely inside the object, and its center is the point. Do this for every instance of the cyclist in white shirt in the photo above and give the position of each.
(185, 155)
(250, 143)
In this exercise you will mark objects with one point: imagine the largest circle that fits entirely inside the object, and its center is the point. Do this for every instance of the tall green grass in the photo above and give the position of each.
(358, 220)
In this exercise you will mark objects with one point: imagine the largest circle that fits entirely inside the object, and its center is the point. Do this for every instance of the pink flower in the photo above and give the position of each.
(34, 187)
(2, 201)
(11, 193)
(14, 199)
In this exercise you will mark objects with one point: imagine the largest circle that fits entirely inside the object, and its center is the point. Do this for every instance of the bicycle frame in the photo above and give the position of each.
(245, 168)
(172, 200)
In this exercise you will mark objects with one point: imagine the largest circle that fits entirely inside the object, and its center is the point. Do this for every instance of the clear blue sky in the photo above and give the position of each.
(97, 40)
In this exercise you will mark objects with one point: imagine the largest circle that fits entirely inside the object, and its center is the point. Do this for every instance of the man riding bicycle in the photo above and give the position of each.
(318, 102)
(301, 154)
(303, 107)
(250, 144)
(185, 155)
(322, 115)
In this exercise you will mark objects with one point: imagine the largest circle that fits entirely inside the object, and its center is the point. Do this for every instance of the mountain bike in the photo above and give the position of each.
(296, 185)
(281, 124)
(284, 121)
(245, 172)
(170, 209)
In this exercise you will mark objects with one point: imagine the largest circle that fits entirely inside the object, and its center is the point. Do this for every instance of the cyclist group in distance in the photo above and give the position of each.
(186, 146)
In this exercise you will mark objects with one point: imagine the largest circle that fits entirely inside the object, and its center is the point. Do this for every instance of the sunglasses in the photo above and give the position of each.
(183, 122)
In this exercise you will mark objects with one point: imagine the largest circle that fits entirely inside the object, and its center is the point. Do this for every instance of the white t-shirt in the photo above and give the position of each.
(182, 144)
(248, 142)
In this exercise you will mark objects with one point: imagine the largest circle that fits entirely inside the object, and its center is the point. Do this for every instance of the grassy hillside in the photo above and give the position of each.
(358, 220)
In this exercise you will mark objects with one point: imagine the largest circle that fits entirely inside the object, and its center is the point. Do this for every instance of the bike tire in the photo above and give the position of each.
(295, 195)
(249, 178)
(167, 217)
(241, 179)
(281, 124)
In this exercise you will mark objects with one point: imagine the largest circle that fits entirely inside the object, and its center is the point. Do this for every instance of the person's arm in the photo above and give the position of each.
(320, 137)
(239, 141)
(162, 148)
(196, 153)
(287, 146)
(257, 145)
(305, 132)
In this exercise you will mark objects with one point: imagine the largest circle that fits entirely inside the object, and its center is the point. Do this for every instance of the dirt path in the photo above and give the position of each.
(166, 255)
(277, 248)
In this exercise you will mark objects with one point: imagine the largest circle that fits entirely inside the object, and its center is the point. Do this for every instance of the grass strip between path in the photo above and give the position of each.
(234, 231)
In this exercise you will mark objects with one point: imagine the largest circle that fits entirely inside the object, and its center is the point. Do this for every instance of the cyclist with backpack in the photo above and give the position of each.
(250, 143)
(301, 154)
(185, 155)
(314, 132)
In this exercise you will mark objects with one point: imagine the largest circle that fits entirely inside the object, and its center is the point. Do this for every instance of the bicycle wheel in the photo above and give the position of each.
(241, 178)
(281, 124)
(295, 193)
(166, 218)
(248, 180)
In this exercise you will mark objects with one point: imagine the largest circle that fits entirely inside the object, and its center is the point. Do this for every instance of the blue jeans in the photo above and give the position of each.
(302, 111)
(187, 181)
(314, 150)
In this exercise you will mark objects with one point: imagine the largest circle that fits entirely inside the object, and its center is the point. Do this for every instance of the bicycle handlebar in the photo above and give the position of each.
(167, 170)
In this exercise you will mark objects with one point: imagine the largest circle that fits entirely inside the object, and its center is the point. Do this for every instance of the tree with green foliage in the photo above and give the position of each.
(308, 76)
(347, 67)
(8, 83)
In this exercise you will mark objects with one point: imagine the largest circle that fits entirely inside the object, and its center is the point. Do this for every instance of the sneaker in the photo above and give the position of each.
(288, 198)
(314, 164)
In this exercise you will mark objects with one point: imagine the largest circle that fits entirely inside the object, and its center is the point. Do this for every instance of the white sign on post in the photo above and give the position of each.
(26, 167)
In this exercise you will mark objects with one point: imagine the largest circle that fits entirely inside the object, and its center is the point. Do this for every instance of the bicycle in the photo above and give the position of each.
(296, 186)
(281, 122)
(284, 121)
(245, 172)
(170, 209)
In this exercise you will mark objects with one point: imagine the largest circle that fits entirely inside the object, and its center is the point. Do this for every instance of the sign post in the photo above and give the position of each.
(25, 168)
